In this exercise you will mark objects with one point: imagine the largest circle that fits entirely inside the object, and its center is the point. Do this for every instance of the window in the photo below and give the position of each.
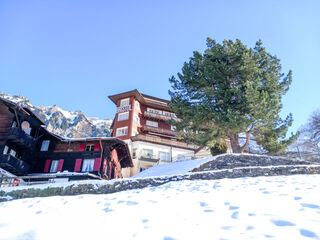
(142, 169)
(89, 148)
(180, 157)
(152, 123)
(13, 153)
(45, 145)
(136, 118)
(87, 165)
(123, 116)
(137, 105)
(6, 150)
(54, 166)
(148, 152)
(124, 102)
(164, 156)
(28, 131)
(173, 128)
(122, 131)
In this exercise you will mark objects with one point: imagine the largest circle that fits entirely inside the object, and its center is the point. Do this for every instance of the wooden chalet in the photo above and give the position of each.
(28, 148)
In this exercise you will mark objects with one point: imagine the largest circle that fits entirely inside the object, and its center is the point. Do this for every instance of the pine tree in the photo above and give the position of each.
(228, 90)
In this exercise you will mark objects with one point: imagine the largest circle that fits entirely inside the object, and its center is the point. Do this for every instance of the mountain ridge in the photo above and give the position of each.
(71, 124)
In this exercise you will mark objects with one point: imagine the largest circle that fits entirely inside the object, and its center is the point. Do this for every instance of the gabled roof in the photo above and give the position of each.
(24, 110)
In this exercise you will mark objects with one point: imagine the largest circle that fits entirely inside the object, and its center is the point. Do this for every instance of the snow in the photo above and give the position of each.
(174, 168)
(282, 207)
(100, 122)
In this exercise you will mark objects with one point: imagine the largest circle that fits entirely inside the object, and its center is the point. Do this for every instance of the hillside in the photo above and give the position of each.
(65, 123)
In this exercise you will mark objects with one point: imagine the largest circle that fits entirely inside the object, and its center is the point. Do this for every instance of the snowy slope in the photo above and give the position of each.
(173, 168)
(65, 123)
(282, 207)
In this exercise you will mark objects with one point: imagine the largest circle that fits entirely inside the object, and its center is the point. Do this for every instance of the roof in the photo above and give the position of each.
(25, 110)
(145, 99)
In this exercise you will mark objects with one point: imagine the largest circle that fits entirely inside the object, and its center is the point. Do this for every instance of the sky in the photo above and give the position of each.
(76, 53)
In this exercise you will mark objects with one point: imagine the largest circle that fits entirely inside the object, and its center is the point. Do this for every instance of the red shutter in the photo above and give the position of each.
(97, 147)
(46, 167)
(77, 166)
(81, 147)
(97, 163)
(60, 165)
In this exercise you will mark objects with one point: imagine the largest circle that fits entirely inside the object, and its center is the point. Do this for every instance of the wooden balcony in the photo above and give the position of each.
(156, 116)
(20, 138)
(159, 130)
(13, 164)
(163, 141)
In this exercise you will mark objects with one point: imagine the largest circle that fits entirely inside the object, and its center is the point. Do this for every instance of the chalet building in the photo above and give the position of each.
(141, 121)
(28, 148)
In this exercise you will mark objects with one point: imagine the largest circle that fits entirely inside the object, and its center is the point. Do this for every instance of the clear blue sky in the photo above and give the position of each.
(74, 53)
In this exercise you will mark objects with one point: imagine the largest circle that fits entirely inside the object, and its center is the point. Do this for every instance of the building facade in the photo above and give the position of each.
(142, 121)
(27, 148)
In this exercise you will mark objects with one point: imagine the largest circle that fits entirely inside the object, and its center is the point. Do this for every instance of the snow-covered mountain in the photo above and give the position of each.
(65, 123)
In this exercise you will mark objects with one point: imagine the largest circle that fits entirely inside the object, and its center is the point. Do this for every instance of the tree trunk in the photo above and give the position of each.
(234, 142)
(235, 145)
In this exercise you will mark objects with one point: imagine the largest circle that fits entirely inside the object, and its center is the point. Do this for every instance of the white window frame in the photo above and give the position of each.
(152, 123)
(123, 116)
(13, 153)
(87, 165)
(6, 149)
(124, 102)
(173, 128)
(122, 131)
(148, 152)
(45, 145)
(54, 166)
(166, 158)
(89, 148)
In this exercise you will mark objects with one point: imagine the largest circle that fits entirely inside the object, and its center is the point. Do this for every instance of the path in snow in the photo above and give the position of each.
(282, 207)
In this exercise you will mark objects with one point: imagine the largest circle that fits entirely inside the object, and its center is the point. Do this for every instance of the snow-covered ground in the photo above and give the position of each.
(282, 207)
(174, 168)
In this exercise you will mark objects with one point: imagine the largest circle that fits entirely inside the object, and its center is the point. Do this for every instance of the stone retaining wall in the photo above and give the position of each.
(128, 184)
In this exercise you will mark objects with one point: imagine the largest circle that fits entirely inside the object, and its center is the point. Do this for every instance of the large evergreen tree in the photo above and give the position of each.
(228, 90)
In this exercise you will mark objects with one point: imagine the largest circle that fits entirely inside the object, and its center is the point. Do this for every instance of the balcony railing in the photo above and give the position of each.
(125, 108)
(13, 164)
(158, 130)
(163, 141)
(20, 138)
(149, 158)
(159, 116)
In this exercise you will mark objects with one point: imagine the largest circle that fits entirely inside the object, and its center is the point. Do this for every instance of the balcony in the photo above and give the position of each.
(13, 164)
(159, 130)
(156, 116)
(149, 158)
(20, 138)
(162, 141)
